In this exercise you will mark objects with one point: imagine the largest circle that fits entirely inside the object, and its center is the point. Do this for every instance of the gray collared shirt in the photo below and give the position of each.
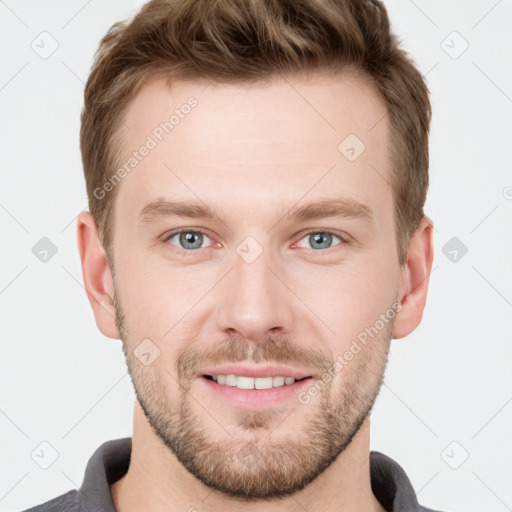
(110, 462)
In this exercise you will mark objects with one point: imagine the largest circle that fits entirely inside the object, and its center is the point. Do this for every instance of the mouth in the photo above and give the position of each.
(254, 392)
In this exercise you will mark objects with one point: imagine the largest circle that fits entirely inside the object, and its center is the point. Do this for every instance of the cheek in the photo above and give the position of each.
(153, 296)
(348, 300)
(156, 382)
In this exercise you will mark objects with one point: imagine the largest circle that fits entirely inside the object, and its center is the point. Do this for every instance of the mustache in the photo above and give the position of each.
(278, 350)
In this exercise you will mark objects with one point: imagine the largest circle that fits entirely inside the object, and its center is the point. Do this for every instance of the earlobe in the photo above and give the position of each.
(414, 280)
(96, 275)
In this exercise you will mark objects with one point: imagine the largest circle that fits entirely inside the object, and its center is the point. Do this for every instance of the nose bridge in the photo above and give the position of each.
(255, 300)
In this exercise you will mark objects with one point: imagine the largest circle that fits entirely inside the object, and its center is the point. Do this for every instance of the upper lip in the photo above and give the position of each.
(255, 371)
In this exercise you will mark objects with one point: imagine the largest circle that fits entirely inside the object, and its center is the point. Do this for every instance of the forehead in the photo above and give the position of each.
(256, 146)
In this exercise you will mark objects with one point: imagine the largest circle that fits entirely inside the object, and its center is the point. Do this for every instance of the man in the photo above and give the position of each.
(256, 174)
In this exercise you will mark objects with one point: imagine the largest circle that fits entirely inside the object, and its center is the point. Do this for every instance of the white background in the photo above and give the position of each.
(447, 385)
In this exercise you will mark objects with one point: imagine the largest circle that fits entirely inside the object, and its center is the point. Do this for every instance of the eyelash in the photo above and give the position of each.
(198, 231)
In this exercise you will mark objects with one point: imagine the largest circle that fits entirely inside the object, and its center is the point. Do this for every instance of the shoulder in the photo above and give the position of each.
(391, 485)
(67, 502)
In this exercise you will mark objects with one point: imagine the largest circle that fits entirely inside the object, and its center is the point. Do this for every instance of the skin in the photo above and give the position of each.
(255, 152)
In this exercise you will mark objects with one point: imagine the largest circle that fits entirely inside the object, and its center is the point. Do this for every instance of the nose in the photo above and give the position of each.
(255, 300)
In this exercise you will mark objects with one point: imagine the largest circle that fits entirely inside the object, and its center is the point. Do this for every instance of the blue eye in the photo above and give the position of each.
(321, 239)
(189, 239)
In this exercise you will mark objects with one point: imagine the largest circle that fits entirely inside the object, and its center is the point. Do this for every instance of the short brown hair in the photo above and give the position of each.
(250, 41)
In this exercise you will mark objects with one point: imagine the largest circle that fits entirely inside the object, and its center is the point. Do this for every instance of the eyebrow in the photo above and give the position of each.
(340, 207)
(347, 207)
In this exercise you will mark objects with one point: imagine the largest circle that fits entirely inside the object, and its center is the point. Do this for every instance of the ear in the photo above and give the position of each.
(96, 274)
(414, 279)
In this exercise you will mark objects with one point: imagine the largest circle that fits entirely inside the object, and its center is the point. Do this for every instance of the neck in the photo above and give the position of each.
(157, 481)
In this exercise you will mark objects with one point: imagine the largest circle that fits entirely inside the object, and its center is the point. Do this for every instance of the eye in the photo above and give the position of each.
(321, 239)
(188, 239)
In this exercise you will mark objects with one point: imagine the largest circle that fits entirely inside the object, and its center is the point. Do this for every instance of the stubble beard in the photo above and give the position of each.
(253, 464)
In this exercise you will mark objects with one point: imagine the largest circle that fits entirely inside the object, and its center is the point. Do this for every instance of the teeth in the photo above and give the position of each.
(253, 383)
(231, 380)
(278, 381)
(264, 382)
(244, 382)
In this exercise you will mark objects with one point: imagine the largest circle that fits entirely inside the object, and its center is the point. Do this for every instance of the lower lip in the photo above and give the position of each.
(255, 398)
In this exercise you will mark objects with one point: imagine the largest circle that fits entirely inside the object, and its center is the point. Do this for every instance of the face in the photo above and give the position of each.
(251, 240)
